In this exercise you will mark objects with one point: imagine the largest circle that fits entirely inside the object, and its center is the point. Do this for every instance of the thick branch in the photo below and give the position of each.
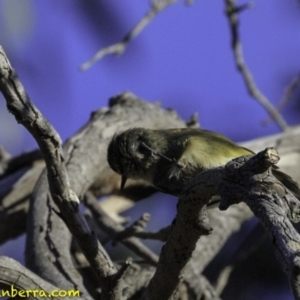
(19, 104)
(237, 184)
(83, 187)
(125, 110)
(73, 146)
(15, 275)
(251, 181)
(224, 224)
(190, 224)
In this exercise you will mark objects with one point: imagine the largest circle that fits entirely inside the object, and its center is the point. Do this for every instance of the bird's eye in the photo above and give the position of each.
(141, 150)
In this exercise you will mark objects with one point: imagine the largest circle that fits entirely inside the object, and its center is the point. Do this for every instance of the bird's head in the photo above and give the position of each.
(131, 155)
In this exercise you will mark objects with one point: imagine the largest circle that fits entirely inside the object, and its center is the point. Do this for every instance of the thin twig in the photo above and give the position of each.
(156, 7)
(160, 235)
(111, 227)
(137, 226)
(11, 164)
(232, 11)
(251, 243)
(223, 279)
(4, 158)
(287, 95)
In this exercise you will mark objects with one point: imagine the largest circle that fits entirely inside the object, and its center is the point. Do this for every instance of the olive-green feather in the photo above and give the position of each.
(197, 149)
(170, 158)
(210, 153)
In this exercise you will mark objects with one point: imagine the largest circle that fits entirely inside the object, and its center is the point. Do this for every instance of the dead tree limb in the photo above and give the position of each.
(247, 179)
(287, 95)
(251, 181)
(232, 12)
(14, 275)
(84, 149)
(108, 225)
(190, 224)
(156, 7)
(19, 104)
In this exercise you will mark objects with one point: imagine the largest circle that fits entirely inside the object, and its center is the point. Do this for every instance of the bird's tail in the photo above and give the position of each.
(288, 182)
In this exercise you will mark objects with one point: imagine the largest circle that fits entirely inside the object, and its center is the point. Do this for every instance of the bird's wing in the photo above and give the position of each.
(192, 151)
(209, 150)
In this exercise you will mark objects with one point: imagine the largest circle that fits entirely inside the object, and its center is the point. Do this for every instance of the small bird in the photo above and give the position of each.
(169, 158)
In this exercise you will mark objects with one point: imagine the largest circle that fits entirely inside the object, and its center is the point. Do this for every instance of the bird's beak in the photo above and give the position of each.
(124, 178)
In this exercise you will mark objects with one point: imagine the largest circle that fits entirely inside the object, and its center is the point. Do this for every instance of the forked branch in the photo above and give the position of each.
(232, 12)
(156, 7)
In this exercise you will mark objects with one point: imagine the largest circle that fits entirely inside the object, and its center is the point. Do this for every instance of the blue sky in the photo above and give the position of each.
(183, 58)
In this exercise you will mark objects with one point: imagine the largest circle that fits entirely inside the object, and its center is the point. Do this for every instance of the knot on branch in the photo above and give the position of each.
(251, 179)
(202, 223)
(137, 227)
(119, 287)
(293, 211)
(249, 173)
(251, 165)
(193, 121)
(295, 264)
(192, 211)
(233, 9)
(5, 67)
(125, 98)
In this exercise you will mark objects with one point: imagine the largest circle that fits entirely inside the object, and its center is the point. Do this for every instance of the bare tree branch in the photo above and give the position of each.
(124, 111)
(250, 180)
(287, 95)
(111, 227)
(202, 290)
(14, 274)
(110, 131)
(234, 186)
(251, 243)
(4, 157)
(160, 235)
(11, 94)
(228, 222)
(156, 7)
(190, 224)
(232, 11)
(288, 144)
(290, 89)
(11, 164)
(15, 191)
(19, 104)
(137, 226)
